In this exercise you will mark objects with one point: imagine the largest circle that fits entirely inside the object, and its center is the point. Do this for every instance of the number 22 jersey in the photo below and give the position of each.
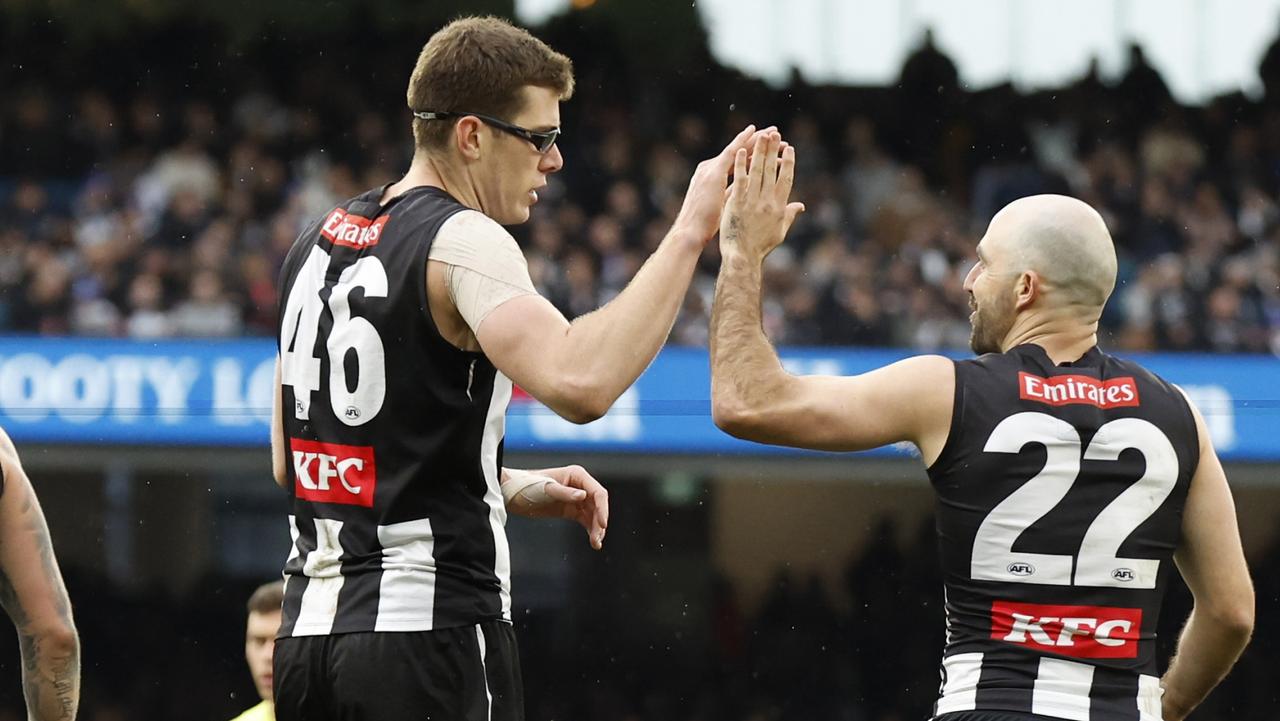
(1060, 493)
(393, 436)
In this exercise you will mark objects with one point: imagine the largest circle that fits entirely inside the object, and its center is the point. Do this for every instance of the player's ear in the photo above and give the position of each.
(466, 137)
(1028, 288)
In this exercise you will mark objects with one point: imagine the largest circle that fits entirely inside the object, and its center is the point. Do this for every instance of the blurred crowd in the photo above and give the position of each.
(153, 213)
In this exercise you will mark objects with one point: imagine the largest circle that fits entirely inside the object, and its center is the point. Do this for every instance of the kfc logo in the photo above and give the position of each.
(1079, 631)
(352, 230)
(1064, 390)
(332, 473)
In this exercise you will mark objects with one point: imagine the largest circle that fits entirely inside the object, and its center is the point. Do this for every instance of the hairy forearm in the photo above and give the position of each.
(745, 370)
(1206, 652)
(612, 346)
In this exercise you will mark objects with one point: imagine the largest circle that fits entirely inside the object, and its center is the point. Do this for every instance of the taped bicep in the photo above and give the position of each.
(484, 266)
(476, 295)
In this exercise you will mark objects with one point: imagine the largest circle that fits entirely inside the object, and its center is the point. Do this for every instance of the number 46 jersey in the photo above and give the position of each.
(1060, 493)
(393, 436)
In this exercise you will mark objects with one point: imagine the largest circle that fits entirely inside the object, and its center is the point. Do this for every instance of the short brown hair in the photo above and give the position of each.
(268, 598)
(479, 65)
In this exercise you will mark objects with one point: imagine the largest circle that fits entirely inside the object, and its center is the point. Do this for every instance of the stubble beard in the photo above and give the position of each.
(991, 323)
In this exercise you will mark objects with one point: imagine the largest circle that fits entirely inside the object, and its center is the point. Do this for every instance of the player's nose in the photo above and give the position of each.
(552, 160)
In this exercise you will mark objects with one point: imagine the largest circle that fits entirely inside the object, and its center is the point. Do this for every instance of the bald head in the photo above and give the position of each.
(1063, 240)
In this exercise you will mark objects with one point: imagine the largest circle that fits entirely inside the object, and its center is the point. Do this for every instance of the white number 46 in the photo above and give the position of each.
(300, 369)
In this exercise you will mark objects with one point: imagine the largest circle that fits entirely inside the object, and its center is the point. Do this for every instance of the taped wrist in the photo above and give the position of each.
(518, 481)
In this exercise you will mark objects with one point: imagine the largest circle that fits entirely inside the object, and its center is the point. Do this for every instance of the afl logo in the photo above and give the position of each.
(352, 412)
(1123, 574)
(1021, 569)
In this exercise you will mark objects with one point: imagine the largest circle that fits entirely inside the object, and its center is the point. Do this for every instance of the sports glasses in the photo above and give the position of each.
(541, 139)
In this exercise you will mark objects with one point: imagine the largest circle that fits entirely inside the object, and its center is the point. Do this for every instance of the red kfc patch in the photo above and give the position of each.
(1080, 631)
(333, 473)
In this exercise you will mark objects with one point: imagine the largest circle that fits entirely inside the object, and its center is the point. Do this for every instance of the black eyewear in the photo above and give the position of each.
(541, 139)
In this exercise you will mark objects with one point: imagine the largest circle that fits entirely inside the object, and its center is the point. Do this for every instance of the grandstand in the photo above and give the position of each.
(157, 162)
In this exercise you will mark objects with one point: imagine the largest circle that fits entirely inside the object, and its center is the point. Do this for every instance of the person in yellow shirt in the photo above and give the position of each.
(259, 645)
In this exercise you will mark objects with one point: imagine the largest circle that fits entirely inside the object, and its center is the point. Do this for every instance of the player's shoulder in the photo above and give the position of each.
(991, 362)
(469, 237)
(474, 225)
(927, 366)
(426, 203)
(1120, 366)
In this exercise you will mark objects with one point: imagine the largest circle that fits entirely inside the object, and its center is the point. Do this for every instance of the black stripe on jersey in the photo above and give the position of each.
(362, 580)
(1006, 681)
(1114, 694)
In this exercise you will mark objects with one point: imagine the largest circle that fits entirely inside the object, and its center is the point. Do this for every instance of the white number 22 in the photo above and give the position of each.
(1097, 563)
(300, 369)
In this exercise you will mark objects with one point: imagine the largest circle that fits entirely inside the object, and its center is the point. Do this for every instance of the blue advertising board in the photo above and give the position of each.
(218, 393)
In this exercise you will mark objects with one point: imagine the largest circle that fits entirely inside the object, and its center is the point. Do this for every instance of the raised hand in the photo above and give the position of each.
(758, 213)
(704, 201)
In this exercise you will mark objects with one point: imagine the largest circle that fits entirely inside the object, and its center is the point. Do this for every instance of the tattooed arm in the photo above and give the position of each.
(32, 593)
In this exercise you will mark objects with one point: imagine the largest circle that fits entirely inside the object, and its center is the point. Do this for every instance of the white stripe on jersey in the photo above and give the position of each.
(1149, 693)
(293, 551)
(484, 673)
(946, 611)
(323, 569)
(1062, 689)
(960, 685)
(494, 428)
(407, 590)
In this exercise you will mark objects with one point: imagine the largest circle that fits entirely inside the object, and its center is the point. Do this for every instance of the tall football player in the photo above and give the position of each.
(406, 313)
(1069, 483)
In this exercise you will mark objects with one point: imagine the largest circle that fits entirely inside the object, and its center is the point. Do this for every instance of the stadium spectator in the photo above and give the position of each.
(259, 645)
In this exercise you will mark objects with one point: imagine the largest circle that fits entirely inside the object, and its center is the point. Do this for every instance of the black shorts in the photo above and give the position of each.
(470, 673)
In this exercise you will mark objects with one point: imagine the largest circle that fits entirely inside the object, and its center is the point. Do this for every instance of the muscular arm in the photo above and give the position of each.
(32, 593)
(754, 398)
(579, 369)
(1212, 562)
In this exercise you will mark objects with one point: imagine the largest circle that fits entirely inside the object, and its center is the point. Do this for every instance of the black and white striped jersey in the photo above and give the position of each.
(1060, 493)
(394, 436)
